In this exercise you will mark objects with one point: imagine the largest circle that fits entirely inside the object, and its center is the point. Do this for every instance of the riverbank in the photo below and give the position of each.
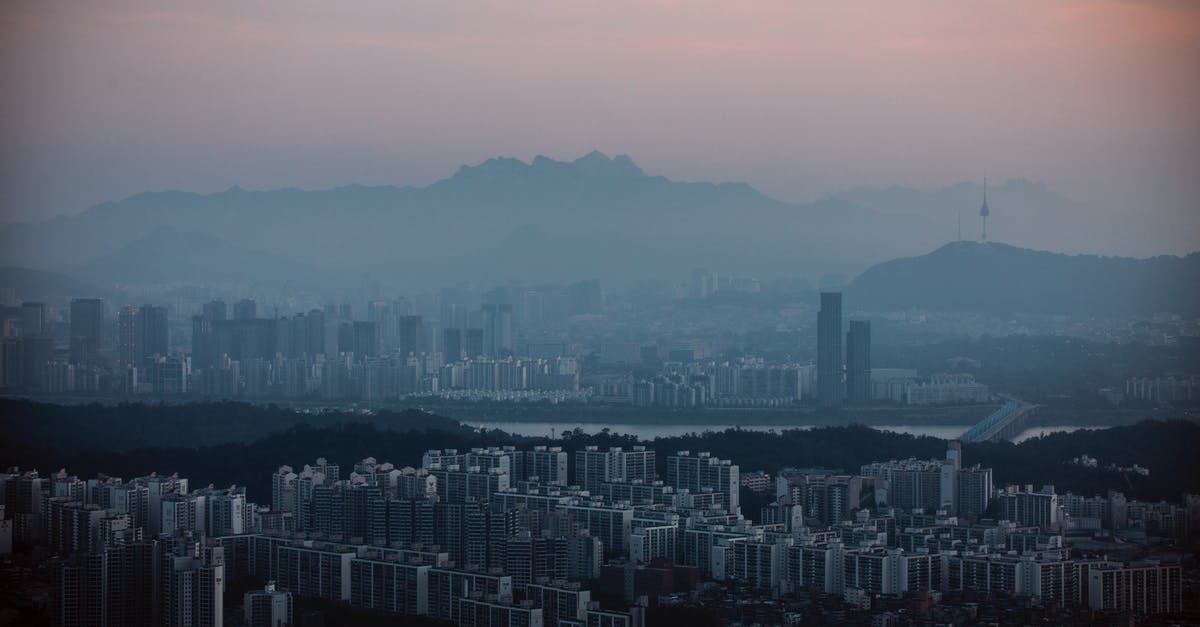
(783, 417)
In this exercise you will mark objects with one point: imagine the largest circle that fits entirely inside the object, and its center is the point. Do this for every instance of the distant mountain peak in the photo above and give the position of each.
(593, 164)
(592, 157)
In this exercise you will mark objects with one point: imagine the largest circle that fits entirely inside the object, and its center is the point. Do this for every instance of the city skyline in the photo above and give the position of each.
(599, 314)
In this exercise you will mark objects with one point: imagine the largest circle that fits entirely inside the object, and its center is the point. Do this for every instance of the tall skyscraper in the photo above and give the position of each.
(316, 332)
(473, 343)
(87, 329)
(858, 362)
(204, 351)
(128, 350)
(409, 337)
(497, 329)
(152, 330)
(452, 343)
(829, 350)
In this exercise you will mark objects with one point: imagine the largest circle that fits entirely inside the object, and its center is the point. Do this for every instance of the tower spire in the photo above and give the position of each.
(983, 210)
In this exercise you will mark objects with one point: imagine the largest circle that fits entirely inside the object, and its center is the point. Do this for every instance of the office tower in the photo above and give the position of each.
(87, 329)
(245, 309)
(829, 350)
(152, 331)
(268, 607)
(473, 343)
(128, 348)
(858, 362)
(409, 335)
(497, 329)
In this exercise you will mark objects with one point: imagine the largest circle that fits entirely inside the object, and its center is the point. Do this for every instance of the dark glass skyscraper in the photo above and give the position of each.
(858, 362)
(829, 350)
(497, 329)
(152, 331)
(453, 343)
(410, 331)
(87, 329)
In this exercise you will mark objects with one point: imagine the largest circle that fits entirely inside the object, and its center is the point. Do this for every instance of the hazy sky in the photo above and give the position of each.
(1101, 100)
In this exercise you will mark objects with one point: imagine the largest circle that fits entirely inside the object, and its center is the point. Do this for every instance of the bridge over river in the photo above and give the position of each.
(1003, 424)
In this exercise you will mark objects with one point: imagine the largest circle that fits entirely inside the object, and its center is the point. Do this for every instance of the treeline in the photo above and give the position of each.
(1165, 448)
(131, 426)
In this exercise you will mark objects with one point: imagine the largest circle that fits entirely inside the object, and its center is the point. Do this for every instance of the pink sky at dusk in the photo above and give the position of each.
(1100, 100)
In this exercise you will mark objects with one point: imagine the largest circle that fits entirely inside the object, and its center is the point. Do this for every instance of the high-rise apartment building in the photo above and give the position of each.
(268, 607)
(245, 309)
(703, 472)
(194, 588)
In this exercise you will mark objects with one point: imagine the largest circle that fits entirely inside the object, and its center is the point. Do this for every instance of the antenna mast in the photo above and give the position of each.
(983, 210)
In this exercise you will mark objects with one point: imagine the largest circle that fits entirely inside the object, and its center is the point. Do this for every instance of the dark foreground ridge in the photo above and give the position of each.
(236, 443)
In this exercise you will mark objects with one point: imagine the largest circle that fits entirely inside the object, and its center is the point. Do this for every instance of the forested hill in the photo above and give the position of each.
(133, 440)
(998, 278)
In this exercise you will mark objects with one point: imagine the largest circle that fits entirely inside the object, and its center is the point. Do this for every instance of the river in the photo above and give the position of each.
(650, 431)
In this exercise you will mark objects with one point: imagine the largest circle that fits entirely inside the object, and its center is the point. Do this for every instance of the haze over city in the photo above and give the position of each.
(603, 314)
(1096, 99)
